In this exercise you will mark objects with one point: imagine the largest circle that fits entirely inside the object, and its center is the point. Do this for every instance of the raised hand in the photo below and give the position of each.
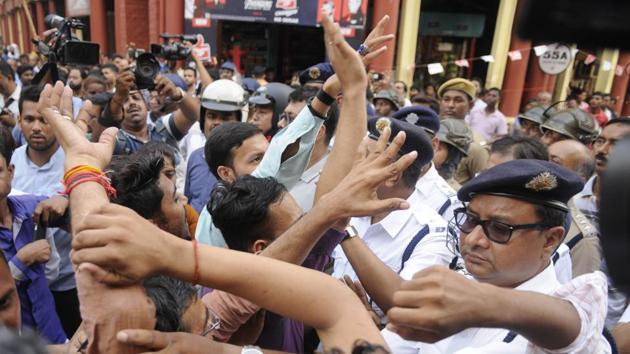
(375, 39)
(345, 60)
(55, 105)
(356, 195)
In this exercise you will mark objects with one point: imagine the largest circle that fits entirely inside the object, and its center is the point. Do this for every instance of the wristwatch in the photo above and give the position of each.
(351, 232)
(251, 349)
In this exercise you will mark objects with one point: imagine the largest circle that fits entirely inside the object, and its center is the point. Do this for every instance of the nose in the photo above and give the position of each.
(475, 238)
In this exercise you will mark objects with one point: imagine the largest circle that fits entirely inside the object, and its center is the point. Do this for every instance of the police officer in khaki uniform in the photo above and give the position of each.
(456, 101)
(455, 141)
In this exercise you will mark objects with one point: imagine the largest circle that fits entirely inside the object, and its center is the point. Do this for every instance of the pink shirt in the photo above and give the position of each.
(489, 125)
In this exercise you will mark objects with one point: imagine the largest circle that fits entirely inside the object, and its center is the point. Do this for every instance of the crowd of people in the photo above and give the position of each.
(214, 213)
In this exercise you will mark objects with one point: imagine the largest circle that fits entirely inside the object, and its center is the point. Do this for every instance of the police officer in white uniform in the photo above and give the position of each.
(433, 189)
(394, 246)
(508, 230)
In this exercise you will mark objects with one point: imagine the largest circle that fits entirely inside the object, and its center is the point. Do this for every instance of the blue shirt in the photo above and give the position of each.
(199, 180)
(164, 130)
(46, 180)
(37, 305)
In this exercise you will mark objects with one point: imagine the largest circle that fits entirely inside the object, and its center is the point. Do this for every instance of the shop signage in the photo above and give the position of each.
(556, 59)
(350, 14)
(445, 24)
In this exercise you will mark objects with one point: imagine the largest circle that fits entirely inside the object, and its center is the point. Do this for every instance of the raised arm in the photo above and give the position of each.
(102, 310)
(286, 289)
(350, 75)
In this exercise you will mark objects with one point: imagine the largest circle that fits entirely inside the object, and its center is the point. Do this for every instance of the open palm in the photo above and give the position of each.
(55, 105)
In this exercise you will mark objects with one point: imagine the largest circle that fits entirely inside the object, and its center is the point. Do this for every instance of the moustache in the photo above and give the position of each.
(601, 157)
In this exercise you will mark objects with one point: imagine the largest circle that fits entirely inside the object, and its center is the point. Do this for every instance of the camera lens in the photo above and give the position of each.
(147, 68)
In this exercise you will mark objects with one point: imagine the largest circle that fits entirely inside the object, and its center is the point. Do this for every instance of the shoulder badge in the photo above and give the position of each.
(383, 123)
(543, 182)
(314, 73)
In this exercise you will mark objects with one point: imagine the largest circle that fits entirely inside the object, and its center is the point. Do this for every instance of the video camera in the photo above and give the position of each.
(174, 49)
(65, 48)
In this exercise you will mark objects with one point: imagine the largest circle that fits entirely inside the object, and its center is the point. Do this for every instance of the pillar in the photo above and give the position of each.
(11, 28)
(20, 29)
(40, 14)
(174, 13)
(131, 24)
(385, 62)
(620, 83)
(52, 7)
(98, 24)
(501, 43)
(536, 80)
(407, 41)
(605, 79)
(154, 21)
(563, 80)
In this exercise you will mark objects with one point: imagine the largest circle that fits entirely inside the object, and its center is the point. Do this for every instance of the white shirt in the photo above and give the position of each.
(304, 189)
(587, 293)
(437, 193)
(626, 316)
(389, 238)
(14, 106)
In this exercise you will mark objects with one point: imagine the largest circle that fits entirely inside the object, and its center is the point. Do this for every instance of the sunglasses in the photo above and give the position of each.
(495, 231)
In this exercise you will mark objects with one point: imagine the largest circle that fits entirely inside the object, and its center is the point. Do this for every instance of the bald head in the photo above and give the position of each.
(573, 155)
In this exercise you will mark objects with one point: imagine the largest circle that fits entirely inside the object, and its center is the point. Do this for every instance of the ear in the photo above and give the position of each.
(393, 180)
(553, 238)
(11, 169)
(471, 104)
(435, 143)
(259, 245)
(226, 174)
(321, 133)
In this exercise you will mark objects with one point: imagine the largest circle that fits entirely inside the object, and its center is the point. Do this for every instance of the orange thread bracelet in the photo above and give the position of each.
(196, 269)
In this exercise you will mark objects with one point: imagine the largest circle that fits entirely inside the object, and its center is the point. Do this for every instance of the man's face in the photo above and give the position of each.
(455, 104)
(605, 144)
(92, 89)
(109, 75)
(248, 156)
(172, 216)
(74, 79)
(549, 137)
(441, 155)
(596, 101)
(9, 300)
(543, 99)
(6, 176)
(39, 134)
(510, 264)
(530, 129)
(491, 98)
(477, 85)
(135, 110)
(226, 74)
(215, 118)
(290, 113)
(400, 88)
(26, 77)
(121, 63)
(383, 107)
(262, 117)
(190, 78)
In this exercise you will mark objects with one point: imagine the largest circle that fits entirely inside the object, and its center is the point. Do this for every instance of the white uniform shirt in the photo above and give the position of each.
(304, 189)
(389, 238)
(437, 193)
(587, 293)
